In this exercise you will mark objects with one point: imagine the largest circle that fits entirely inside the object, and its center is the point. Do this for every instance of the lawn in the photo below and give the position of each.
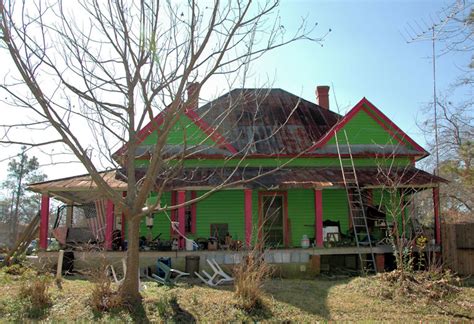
(284, 300)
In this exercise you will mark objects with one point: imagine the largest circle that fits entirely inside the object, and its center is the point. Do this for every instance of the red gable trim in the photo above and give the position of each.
(361, 105)
(398, 131)
(210, 131)
(193, 116)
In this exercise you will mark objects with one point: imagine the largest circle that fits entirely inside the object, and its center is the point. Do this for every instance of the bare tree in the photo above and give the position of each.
(93, 73)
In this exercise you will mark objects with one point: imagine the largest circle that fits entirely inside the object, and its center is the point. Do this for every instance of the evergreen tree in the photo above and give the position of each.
(22, 205)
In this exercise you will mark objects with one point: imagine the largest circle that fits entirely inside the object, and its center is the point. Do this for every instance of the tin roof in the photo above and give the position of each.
(79, 189)
(268, 121)
(298, 177)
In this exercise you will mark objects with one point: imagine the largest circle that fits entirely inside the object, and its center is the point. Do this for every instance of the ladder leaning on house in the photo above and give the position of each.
(356, 207)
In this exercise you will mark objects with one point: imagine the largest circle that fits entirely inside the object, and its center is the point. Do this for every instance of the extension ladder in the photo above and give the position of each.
(356, 207)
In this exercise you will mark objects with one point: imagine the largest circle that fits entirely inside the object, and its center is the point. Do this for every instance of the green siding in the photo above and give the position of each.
(161, 223)
(274, 162)
(225, 206)
(335, 207)
(300, 214)
(363, 129)
(184, 131)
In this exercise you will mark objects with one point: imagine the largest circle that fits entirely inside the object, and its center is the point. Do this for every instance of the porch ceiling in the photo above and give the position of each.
(298, 177)
(78, 189)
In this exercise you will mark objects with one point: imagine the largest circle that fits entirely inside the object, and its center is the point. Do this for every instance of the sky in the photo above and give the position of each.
(366, 54)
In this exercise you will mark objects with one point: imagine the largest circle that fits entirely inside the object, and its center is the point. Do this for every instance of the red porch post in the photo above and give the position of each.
(248, 216)
(437, 221)
(193, 213)
(380, 262)
(109, 224)
(181, 218)
(318, 217)
(44, 222)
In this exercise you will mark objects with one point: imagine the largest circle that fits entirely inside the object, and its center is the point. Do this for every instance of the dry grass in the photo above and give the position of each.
(250, 276)
(285, 300)
(35, 297)
(105, 296)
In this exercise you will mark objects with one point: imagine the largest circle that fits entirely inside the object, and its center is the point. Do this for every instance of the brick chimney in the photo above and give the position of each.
(193, 94)
(322, 96)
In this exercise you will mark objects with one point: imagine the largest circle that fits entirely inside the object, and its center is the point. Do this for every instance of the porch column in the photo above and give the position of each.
(380, 262)
(69, 214)
(181, 218)
(44, 222)
(437, 221)
(318, 217)
(248, 216)
(109, 224)
(193, 213)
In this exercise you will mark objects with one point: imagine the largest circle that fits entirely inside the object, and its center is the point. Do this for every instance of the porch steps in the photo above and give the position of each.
(356, 206)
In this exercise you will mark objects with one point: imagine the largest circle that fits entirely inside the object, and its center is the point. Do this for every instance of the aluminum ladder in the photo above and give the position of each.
(356, 207)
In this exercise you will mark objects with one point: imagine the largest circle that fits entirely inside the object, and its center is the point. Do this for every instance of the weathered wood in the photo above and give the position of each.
(464, 236)
(458, 248)
(25, 239)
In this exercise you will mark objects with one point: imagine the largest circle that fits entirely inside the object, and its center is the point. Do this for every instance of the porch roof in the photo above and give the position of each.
(78, 189)
(298, 177)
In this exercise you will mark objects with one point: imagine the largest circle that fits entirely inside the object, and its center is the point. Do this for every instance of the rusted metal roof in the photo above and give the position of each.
(266, 178)
(268, 121)
(79, 189)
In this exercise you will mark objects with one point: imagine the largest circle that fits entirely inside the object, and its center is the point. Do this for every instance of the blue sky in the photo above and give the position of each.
(365, 55)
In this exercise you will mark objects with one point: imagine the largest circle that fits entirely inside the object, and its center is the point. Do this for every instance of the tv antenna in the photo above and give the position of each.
(431, 31)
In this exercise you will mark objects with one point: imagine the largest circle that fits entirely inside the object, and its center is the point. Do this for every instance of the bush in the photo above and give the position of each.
(35, 295)
(104, 296)
(250, 275)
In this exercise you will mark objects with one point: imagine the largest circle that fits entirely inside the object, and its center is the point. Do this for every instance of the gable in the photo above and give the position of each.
(365, 125)
(363, 129)
(184, 132)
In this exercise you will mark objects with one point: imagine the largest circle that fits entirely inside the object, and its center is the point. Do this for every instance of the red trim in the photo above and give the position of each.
(248, 216)
(193, 213)
(44, 223)
(109, 224)
(395, 127)
(380, 262)
(437, 220)
(284, 194)
(384, 126)
(181, 197)
(318, 216)
(174, 212)
(193, 116)
(210, 131)
(312, 155)
(359, 106)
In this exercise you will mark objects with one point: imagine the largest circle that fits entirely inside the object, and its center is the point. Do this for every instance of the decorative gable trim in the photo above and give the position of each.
(366, 106)
(149, 128)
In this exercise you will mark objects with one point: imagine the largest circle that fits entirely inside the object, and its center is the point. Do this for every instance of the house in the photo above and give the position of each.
(281, 158)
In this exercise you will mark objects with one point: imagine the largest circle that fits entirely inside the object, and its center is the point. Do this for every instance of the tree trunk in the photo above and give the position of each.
(130, 288)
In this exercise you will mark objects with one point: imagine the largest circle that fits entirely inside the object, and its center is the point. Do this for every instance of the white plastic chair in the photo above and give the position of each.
(219, 276)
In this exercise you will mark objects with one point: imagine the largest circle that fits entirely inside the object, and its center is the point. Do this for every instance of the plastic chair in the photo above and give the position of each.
(219, 276)
(167, 279)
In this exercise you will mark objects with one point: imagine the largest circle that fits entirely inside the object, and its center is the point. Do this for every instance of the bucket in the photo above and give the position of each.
(190, 245)
(192, 264)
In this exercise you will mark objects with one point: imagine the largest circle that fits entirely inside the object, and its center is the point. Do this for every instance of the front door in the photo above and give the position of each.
(272, 219)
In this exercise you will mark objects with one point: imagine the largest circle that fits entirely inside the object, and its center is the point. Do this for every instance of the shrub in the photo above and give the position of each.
(250, 275)
(35, 295)
(104, 296)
